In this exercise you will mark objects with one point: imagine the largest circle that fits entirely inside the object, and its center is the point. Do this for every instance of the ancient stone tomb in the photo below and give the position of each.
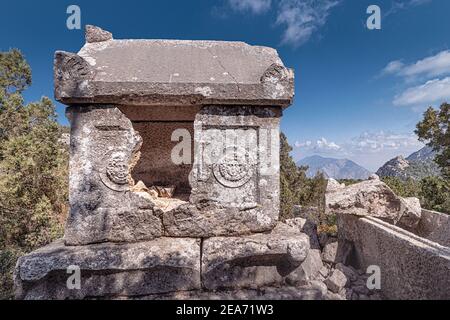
(174, 170)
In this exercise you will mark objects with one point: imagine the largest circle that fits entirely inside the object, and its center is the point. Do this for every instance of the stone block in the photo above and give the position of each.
(312, 292)
(307, 226)
(212, 219)
(235, 174)
(435, 226)
(254, 261)
(104, 148)
(174, 72)
(110, 270)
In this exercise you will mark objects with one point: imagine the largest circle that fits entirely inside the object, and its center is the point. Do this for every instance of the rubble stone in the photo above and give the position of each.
(308, 227)
(336, 281)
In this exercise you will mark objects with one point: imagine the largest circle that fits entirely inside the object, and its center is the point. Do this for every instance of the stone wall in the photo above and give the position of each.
(411, 267)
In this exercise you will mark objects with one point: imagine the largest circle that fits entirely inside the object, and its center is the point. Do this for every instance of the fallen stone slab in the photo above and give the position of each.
(254, 261)
(411, 267)
(106, 270)
(373, 198)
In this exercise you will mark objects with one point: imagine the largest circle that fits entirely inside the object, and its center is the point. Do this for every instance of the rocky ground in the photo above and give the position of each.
(327, 267)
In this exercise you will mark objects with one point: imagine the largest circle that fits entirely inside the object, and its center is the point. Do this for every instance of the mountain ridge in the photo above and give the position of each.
(334, 168)
(417, 165)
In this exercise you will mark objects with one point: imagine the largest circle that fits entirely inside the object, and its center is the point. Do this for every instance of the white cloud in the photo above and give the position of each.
(319, 146)
(436, 65)
(398, 5)
(302, 144)
(436, 90)
(433, 91)
(302, 18)
(366, 142)
(432, 66)
(324, 144)
(254, 6)
(372, 142)
(393, 67)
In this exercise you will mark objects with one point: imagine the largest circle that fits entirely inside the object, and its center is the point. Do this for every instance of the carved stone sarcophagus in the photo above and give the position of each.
(174, 171)
(200, 118)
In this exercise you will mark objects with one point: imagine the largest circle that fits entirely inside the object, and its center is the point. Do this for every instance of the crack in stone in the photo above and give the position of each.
(224, 69)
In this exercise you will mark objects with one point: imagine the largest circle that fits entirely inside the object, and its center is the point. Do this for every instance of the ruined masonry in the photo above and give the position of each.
(142, 224)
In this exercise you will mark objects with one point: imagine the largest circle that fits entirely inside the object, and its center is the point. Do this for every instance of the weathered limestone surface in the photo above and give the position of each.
(104, 147)
(435, 226)
(212, 219)
(96, 34)
(218, 72)
(253, 261)
(309, 268)
(336, 281)
(373, 198)
(411, 267)
(309, 292)
(158, 266)
(235, 175)
(308, 227)
(127, 102)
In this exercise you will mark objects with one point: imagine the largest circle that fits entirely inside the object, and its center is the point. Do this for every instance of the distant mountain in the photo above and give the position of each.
(418, 165)
(424, 154)
(334, 168)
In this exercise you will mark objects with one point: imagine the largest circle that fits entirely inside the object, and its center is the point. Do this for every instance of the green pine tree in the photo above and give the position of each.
(33, 168)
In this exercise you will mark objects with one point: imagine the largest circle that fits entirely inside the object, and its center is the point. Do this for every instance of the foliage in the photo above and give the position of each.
(8, 258)
(33, 167)
(403, 188)
(328, 225)
(434, 129)
(295, 187)
(421, 169)
(433, 192)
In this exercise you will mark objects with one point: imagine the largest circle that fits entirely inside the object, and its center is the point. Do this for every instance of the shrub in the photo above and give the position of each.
(33, 169)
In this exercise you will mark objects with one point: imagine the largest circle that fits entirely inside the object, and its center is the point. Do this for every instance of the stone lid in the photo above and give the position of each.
(179, 72)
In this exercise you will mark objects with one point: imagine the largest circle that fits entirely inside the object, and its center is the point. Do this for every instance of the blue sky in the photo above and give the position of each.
(359, 92)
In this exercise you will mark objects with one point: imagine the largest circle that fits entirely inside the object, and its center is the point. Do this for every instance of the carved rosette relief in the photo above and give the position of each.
(235, 168)
(116, 169)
